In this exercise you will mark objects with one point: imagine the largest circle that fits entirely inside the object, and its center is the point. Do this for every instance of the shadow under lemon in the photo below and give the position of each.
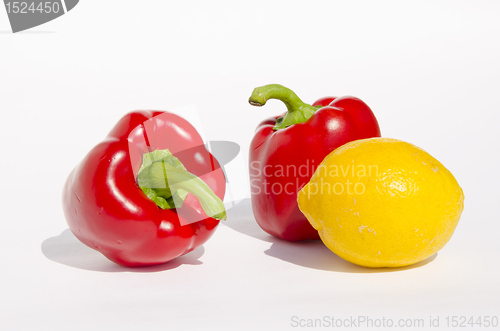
(309, 253)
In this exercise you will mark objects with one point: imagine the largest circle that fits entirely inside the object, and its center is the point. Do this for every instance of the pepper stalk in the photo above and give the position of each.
(165, 180)
(298, 111)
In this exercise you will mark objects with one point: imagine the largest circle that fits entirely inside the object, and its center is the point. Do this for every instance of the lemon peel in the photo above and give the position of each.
(382, 202)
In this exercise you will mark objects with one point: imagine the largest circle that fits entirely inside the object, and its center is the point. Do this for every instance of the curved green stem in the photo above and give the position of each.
(298, 111)
(163, 178)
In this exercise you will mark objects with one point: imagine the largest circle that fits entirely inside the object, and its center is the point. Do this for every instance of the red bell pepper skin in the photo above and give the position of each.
(286, 150)
(106, 209)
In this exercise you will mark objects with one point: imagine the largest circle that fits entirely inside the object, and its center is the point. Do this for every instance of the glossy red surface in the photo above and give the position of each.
(107, 211)
(283, 161)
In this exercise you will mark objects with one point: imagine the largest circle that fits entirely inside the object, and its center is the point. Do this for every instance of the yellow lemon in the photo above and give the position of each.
(382, 202)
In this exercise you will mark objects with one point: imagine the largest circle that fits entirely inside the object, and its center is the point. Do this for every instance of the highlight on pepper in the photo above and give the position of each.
(287, 148)
(148, 193)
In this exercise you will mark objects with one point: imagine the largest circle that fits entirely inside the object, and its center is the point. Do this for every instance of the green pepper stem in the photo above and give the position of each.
(181, 179)
(166, 182)
(298, 111)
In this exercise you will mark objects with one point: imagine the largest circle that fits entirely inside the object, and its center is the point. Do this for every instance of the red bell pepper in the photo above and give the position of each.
(148, 193)
(286, 150)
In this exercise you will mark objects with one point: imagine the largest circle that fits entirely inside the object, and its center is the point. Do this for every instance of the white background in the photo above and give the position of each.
(428, 69)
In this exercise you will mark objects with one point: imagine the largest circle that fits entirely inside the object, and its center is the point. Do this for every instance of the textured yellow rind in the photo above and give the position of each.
(408, 210)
